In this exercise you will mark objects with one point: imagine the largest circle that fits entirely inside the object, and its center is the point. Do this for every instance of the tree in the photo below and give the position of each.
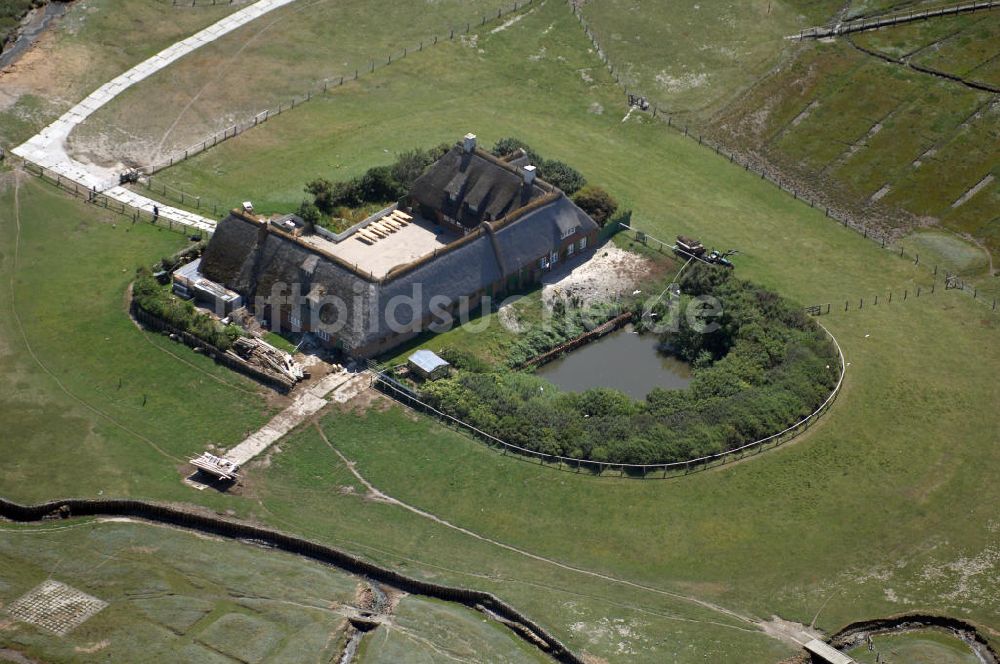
(323, 195)
(596, 202)
(509, 145)
(310, 213)
(562, 175)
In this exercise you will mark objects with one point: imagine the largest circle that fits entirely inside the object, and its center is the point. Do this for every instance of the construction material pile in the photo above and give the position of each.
(218, 466)
(267, 358)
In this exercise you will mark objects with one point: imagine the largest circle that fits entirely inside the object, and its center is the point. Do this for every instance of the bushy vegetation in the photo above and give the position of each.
(761, 367)
(554, 172)
(596, 202)
(378, 185)
(11, 13)
(152, 297)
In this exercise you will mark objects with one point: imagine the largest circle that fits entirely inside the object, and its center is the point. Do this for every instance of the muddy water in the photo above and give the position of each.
(30, 32)
(622, 360)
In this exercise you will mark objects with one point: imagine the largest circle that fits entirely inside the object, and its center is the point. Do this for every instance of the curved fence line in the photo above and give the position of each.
(849, 635)
(519, 624)
(408, 398)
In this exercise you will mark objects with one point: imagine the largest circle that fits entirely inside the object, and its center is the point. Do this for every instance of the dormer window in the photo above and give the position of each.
(570, 231)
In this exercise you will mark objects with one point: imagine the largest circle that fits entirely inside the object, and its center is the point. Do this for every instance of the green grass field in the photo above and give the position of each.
(887, 505)
(175, 594)
(286, 53)
(83, 387)
(880, 137)
(918, 647)
(94, 42)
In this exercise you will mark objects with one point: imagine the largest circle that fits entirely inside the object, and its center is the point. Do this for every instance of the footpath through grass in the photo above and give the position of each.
(887, 505)
(95, 41)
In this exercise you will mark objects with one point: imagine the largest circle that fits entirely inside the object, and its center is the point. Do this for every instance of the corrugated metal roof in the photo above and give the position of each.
(427, 360)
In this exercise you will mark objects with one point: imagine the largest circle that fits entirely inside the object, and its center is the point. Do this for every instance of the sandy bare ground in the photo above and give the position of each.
(608, 274)
(49, 147)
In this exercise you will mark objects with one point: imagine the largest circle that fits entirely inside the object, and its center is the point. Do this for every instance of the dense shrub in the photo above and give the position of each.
(596, 202)
(380, 184)
(766, 366)
(181, 314)
(554, 172)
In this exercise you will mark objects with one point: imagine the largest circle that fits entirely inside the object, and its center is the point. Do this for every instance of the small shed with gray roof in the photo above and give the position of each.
(428, 365)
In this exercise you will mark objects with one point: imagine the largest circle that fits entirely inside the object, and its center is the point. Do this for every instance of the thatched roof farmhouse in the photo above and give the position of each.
(473, 226)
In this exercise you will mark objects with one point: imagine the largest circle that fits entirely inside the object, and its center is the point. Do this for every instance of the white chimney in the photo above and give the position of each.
(528, 174)
(469, 143)
(248, 207)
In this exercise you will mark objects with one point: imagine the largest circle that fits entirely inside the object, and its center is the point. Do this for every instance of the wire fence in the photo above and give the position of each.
(865, 23)
(326, 85)
(409, 398)
(787, 185)
(951, 282)
(102, 200)
(193, 201)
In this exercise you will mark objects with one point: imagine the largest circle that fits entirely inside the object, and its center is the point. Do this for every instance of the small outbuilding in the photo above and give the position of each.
(428, 365)
(190, 283)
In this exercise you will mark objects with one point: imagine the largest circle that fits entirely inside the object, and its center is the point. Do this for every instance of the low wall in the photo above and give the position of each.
(856, 632)
(582, 340)
(340, 237)
(153, 322)
(215, 525)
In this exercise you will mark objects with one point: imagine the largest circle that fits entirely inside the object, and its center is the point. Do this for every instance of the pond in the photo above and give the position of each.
(622, 360)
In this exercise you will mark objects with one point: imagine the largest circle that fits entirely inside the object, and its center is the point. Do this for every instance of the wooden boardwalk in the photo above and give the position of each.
(888, 20)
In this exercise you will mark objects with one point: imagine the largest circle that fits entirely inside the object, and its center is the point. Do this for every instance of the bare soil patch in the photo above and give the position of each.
(608, 274)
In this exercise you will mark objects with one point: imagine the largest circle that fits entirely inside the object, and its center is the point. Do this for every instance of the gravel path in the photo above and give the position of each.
(48, 147)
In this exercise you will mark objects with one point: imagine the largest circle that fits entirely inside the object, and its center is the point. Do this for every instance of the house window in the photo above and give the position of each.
(543, 263)
(296, 322)
(569, 249)
(323, 334)
(554, 258)
(583, 243)
(569, 231)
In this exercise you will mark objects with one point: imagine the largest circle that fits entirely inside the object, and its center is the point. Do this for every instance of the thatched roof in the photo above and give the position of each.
(472, 187)
(259, 260)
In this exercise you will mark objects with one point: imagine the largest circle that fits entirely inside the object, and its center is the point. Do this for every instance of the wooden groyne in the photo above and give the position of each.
(519, 624)
(888, 20)
(585, 338)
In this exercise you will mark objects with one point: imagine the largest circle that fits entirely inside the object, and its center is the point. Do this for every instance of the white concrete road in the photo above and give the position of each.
(338, 387)
(48, 148)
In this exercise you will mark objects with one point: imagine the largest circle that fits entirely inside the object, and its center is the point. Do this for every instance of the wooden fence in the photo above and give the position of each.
(784, 184)
(408, 398)
(895, 18)
(324, 86)
(157, 324)
(99, 199)
(525, 628)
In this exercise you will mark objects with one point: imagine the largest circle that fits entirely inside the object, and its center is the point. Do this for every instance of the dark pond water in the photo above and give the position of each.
(622, 360)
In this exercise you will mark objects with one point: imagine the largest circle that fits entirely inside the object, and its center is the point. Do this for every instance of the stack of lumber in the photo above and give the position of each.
(221, 468)
(383, 227)
(267, 357)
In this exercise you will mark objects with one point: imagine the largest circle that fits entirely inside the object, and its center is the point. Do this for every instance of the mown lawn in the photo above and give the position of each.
(88, 401)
